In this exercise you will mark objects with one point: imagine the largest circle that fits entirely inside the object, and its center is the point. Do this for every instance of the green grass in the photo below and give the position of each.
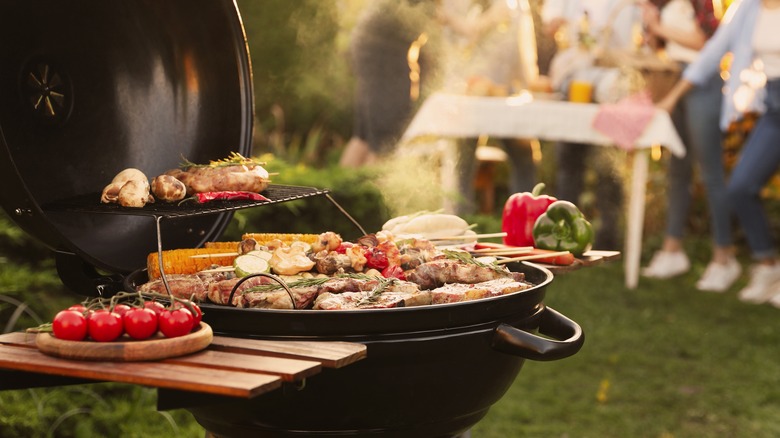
(663, 360)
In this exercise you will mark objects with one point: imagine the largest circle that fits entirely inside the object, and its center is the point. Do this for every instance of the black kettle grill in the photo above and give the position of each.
(92, 87)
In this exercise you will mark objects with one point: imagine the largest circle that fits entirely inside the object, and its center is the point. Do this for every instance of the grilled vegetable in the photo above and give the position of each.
(181, 261)
(249, 264)
(563, 228)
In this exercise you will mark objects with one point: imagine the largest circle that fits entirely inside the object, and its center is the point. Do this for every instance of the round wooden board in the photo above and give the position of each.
(126, 349)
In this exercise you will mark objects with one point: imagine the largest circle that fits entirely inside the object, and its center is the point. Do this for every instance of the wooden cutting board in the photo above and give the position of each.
(126, 349)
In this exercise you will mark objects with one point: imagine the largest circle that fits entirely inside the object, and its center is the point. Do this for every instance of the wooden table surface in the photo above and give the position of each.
(228, 367)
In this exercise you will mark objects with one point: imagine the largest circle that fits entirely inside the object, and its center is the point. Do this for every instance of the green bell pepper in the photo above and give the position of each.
(563, 227)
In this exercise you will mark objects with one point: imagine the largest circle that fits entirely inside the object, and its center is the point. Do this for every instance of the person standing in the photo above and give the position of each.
(385, 46)
(685, 26)
(748, 32)
(609, 23)
(493, 52)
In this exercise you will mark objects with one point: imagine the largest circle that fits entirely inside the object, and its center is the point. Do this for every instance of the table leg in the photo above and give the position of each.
(636, 217)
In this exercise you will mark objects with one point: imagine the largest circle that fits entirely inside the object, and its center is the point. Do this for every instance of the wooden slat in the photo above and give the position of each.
(163, 375)
(19, 338)
(288, 369)
(331, 354)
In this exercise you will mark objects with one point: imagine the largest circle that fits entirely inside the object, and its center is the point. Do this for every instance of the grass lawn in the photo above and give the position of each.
(663, 360)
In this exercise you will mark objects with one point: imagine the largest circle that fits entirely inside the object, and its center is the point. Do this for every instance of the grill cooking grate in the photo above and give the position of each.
(90, 203)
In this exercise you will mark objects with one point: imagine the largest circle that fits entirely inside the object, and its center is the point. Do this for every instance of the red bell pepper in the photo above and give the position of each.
(229, 195)
(520, 213)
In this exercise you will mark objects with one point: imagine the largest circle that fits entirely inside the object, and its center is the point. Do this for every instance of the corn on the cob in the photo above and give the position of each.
(232, 246)
(263, 238)
(180, 261)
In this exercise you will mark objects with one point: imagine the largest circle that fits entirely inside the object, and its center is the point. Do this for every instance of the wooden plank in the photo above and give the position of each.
(331, 354)
(288, 369)
(19, 338)
(162, 375)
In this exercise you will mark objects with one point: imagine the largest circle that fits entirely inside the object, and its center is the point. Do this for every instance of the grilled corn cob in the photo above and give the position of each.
(180, 261)
(263, 238)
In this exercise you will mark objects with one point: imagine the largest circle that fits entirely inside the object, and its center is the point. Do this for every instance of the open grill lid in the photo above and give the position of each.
(91, 87)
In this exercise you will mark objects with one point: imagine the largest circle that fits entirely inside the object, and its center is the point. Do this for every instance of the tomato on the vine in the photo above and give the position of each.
(121, 309)
(197, 313)
(78, 308)
(176, 322)
(70, 325)
(140, 322)
(104, 326)
(156, 306)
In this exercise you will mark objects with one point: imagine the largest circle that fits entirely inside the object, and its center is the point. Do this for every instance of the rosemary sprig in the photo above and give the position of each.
(235, 159)
(467, 258)
(304, 282)
(382, 285)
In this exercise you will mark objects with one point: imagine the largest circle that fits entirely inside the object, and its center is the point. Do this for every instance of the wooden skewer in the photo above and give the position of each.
(468, 236)
(502, 251)
(218, 254)
(220, 269)
(533, 257)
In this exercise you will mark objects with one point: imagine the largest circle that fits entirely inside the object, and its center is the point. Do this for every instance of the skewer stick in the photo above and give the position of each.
(502, 251)
(219, 269)
(533, 257)
(468, 236)
(218, 254)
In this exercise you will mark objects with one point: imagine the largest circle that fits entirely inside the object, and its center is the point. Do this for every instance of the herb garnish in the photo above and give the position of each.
(235, 159)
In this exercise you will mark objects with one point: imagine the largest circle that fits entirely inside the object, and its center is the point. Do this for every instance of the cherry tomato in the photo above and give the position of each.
(197, 316)
(78, 308)
(376, 258)
(70, 325)
(197, 313)
(394, 271)
(176, 322)
(121, 309)
(342, 249)
(140, 323)
(104, 326)
(156, 306)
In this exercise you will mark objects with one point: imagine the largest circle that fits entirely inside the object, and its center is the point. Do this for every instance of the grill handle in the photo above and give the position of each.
(567, 338)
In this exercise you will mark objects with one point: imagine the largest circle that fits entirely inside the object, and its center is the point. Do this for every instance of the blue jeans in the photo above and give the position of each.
(758, 161)
(696, 118)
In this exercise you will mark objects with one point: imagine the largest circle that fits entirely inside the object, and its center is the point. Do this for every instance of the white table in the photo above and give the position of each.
(523, 116)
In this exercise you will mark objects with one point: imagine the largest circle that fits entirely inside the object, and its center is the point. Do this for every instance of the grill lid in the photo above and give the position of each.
(91, 87)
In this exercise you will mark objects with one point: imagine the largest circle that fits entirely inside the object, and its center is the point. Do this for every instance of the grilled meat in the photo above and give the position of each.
(247, 177)
(437, 273)
(186, 286)
(167, 188)
(456, 292)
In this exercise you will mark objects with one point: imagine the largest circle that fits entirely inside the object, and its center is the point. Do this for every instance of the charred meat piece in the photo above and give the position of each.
(278, 298)
(219, 291)
(186, 286)
(437, 273)
(457, 292)
(247, 178)
(380, 295)
(167, 188)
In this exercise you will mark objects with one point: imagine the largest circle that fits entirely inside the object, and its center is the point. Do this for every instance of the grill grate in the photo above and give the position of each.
(90, 203)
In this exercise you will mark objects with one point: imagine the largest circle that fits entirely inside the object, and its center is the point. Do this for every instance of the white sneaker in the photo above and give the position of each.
(719, 276)
(775, 300)
(667, 264)
(764, 284)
